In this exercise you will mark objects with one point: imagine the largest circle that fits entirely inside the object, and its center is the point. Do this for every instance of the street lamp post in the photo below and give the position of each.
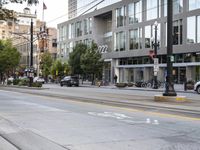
(169, 88)
(31, 70)
(155, 45)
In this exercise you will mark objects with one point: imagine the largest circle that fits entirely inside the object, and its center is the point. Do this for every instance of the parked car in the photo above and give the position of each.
(197, 87)
(39, 80)
(70, 81)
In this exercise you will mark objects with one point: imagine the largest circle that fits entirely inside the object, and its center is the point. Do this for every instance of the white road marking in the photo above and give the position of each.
(124, 118)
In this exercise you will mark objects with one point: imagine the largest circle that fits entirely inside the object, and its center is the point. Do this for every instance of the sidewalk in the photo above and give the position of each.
(177, 88)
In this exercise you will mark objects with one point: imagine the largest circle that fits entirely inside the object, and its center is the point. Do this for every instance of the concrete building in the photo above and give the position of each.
(19, 32)
(126, 31)
(78, 7)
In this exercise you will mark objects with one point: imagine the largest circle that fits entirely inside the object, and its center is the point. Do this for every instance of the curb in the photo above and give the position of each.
(161, 98)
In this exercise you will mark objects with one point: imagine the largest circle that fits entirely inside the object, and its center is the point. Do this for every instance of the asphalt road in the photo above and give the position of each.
(32, 122)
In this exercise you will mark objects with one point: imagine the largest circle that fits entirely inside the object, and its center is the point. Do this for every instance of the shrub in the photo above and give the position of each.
(9, 82)
(23, 82)
(16, 81)
(36, 84)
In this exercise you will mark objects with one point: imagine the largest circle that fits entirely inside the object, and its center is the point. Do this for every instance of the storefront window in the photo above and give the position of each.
(120, 16)
(120, 41)
(194, 4)
(135, 12)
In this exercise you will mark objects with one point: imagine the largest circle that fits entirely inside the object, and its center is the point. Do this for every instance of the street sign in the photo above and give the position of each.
(155, 61)
(155, 66)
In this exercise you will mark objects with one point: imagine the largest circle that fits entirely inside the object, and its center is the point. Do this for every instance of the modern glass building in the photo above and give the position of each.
(79, 7)
(125, 33)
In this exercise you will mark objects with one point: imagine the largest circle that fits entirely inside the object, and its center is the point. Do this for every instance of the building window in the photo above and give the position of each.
(135, 12)
(198, 29)
(87, 26)
(191, 25)
(120, 16)
(194, 4)
(153, 9)
(135, 38)
(87, 42)
(78, 29)
(120, 41)
(193, 29)
(150, 35)
(177, 32)
(177, 7)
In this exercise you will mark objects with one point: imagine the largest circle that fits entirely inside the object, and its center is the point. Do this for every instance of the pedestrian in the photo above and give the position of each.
(115, 79)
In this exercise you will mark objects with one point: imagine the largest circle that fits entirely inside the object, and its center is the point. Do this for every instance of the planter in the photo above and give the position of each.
(121, 85)
(129, 84)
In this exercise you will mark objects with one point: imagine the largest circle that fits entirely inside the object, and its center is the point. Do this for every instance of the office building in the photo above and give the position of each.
(125, 32)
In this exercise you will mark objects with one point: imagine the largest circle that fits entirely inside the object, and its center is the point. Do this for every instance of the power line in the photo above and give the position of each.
(145, 10)
(80, 8)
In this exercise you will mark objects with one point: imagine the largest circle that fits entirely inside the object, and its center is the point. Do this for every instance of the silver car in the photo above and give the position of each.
(197, 87)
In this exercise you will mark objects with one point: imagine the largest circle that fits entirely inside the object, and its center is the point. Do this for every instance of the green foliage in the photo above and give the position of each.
(16, 81)
(23, 82)
(36, 84)
(9, 56)
(75, 58)
(46, 63)
(58, 69)
(91, 61)
(9, 82)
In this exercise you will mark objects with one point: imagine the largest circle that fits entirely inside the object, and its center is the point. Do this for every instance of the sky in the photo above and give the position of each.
(55, 9)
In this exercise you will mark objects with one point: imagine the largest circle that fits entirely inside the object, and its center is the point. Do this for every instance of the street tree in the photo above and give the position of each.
(10, 14)
(75, 58)
(91, 62)
(9, 58)
(45, 64)
(58, 70)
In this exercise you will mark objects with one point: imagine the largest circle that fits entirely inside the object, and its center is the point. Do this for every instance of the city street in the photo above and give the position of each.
(35, 122)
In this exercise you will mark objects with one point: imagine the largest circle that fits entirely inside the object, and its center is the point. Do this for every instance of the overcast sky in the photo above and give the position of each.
(55, 9)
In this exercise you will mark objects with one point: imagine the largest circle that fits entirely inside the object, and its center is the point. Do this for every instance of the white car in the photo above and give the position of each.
(197, 87)
(39, 80)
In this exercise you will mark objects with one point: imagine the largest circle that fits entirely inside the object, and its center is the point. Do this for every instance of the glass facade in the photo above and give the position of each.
(87, 26)
(150, 35)
(194, 4)
(177, 32)
(120, 16)
(78, 29)
(153, 9)
(135, 12)
(135, 37)
(120, 41)
(177, 7)
(193, 29)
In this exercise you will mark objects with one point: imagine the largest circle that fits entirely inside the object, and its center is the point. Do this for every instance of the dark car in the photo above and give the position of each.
(70, 81)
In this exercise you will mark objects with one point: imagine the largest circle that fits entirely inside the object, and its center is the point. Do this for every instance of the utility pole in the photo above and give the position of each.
(169, 88)
(31, 70)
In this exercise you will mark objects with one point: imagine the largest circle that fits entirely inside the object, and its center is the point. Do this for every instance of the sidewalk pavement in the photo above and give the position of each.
(177, 88)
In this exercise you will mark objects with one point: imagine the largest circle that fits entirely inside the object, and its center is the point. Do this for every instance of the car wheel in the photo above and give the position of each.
(198, 89)
(61, 85)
